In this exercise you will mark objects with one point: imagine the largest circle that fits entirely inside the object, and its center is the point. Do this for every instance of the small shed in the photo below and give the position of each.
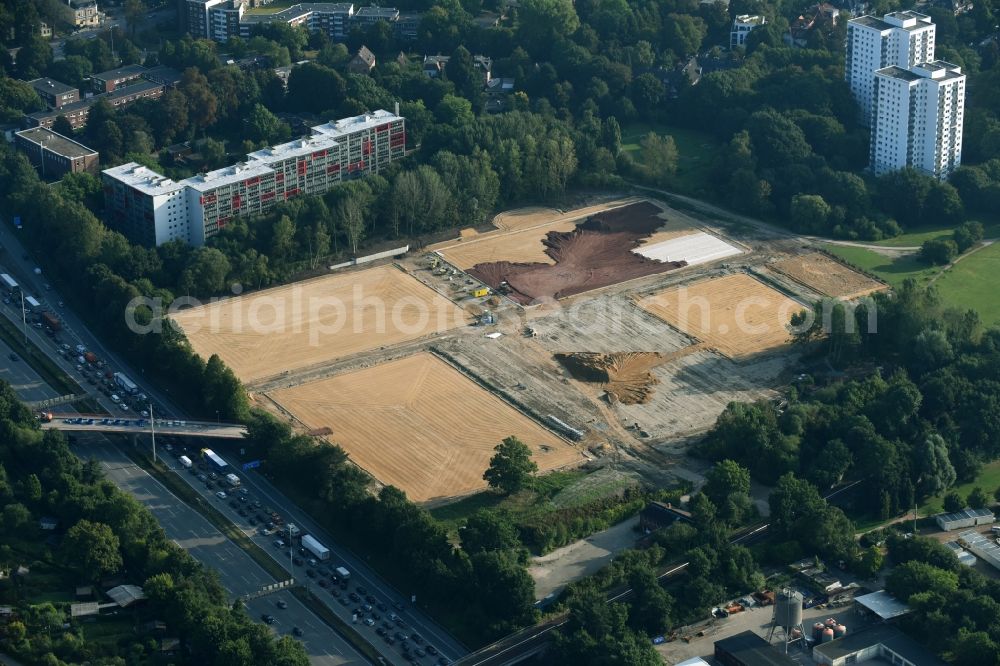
(126, 595)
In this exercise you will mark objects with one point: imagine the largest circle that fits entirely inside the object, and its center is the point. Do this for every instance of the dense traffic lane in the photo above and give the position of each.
(238, 573)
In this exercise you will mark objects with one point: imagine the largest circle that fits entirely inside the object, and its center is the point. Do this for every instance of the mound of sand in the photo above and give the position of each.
(626, 376)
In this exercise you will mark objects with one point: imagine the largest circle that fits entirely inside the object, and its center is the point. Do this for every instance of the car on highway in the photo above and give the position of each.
(297, 631)
(221, 494)
(278, 543)
(282, 604)
(311, 573)
(12, 356)
(354, 596)
(431, 650)
(268, 619)
(297, 561)
(369, 622)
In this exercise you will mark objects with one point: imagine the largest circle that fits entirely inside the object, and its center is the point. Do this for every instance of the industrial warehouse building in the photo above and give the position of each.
(749, 649)
(881, 605)
(964, 518)
(881, 644)
(981, 546)
(152, 209)
(53, 154)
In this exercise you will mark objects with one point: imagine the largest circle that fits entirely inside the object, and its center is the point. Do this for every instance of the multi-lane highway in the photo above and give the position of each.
(239, 574)
(361, 577)
(14, 261)
(19, 374)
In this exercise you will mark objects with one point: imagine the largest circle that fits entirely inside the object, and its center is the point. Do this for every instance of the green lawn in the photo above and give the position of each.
(916, 237)
(988, 480)
(974, 283)
(893, 271)
(696, 153)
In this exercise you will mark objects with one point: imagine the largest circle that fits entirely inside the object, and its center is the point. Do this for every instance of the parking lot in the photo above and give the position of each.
(381, 621)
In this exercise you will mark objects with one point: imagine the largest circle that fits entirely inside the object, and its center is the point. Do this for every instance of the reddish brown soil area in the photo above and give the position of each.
(595, 254)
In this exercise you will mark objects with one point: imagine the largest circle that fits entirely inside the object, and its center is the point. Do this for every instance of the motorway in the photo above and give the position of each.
(239, 574)
(361, 576)
(29, 386)
(13, 261)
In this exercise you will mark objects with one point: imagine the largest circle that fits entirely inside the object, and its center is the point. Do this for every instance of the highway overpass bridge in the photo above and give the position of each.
(110, 425)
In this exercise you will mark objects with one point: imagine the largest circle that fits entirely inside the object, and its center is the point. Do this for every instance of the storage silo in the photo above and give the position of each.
(788, 609)
(839, 631)
(827, 635)
(787, 617)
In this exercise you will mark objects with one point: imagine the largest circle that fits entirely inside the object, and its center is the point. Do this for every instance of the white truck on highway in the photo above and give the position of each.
(319, 551)
(127, 384)
(343, 573)
(233, 480)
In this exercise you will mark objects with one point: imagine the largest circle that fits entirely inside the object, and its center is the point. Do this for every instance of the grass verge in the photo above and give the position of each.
(187, 495)
(39, 362)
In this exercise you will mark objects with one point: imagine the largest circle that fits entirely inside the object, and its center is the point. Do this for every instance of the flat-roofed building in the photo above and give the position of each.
(114, 79)
(902, 39)
(54, 154)
(918, 119)
(152, 209)
(965, 518)
(54, 93)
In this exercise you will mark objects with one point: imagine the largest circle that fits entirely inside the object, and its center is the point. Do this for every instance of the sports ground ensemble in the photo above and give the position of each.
(613, 332)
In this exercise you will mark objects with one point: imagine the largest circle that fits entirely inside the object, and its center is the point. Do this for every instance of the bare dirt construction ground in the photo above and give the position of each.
(420, 425)
(694, 389)
(597, 253)
(296, 326)
(827, 276)
(736, 314)
(625, 376)
(518, 237)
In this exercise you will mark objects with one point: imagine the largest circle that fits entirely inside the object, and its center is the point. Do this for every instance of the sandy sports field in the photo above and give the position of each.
(518, 237)
(827, 276)
(420, 425)
(299, 325)
(736, 314)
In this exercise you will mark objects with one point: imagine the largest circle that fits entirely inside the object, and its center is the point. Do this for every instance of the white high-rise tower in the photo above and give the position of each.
(902, 39)
(918, 118)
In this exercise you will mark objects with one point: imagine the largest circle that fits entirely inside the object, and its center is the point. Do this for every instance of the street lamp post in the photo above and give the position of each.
(24, 319)
(152, 429)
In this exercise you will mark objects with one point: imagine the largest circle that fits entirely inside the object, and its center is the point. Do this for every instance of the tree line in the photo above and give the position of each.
(103, 533)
